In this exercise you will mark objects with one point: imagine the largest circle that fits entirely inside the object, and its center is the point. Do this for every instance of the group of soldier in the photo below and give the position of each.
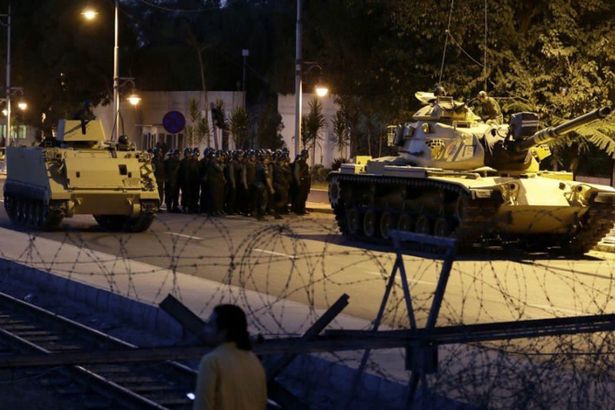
(251, 182)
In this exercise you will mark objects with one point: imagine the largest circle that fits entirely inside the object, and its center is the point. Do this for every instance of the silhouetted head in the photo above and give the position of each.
(230, 325)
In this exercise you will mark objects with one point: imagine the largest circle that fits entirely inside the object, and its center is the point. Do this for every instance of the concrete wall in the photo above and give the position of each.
(326, 149)
(143, 124)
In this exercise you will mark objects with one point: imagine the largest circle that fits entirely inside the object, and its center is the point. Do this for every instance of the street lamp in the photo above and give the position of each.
(22, 105)
(134, 99)
(90, 14)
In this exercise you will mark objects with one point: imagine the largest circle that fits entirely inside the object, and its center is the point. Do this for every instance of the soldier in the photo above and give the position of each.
(231, 183)
(188, 181)
(262, 186)
(215, 185)
(204, 198)
(241, 192)
(490, 109)
(248, 181)
(171, 171)
(301, 175)
(268, 163)
(439, 90)
(281, 183)
(159, 174)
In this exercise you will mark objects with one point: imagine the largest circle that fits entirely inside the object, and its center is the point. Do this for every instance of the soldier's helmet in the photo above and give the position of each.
(439, 90)
(482, 95)
(196, 152)
(187, 151)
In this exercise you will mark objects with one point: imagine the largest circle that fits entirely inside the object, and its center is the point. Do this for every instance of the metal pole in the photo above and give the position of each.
(116, 79)
(8, 78)
(245, 53)
(298, 85)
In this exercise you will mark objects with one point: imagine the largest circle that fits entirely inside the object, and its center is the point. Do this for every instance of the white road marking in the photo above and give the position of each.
(275, 253)
(553, 308)
(422, 282)
(181, 235)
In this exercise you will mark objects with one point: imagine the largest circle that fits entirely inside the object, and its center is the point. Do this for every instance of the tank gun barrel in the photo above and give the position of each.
(551, 133)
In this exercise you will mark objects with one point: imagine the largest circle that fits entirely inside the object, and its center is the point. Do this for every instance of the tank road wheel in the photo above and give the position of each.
(112, 223)
(140, 223)
(20, 211)
(442, 227)
(370, 223)
(122, 223)
(335, 193)
(10, 206)
(423, 225)
(353, 221)
(387, 222)
(405, 222)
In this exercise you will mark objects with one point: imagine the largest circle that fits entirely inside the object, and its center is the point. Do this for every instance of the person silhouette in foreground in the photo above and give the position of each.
(230, 377)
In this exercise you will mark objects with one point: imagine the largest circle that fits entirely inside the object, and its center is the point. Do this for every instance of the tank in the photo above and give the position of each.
(458, 176)
(78, 173)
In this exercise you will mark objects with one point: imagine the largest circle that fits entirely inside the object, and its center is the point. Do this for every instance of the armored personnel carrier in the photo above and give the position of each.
(458, 176)
(77, 173)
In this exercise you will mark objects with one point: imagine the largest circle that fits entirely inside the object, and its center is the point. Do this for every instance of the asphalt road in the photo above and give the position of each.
(304, 259)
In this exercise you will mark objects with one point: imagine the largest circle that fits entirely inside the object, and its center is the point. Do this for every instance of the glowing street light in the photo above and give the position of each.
(134, 99)
(89, 14)
(22, 105)
(321, 90)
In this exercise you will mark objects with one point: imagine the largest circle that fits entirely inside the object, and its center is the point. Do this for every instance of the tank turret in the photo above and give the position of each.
(512, 153)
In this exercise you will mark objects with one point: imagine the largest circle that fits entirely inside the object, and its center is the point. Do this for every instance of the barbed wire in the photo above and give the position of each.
(285, 273)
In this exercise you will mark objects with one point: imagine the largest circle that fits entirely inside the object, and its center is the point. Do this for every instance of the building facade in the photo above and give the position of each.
(143, 124)
(326, 150)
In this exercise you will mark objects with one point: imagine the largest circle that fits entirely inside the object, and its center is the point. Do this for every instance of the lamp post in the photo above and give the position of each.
(8, 89)
(90, 14)
(116, 77)
(298, 85)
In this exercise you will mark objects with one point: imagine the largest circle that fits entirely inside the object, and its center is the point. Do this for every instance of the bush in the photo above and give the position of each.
(337, 163)
(318, 173)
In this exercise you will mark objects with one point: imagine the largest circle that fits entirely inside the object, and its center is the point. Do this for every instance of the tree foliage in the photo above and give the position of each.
(556, 58)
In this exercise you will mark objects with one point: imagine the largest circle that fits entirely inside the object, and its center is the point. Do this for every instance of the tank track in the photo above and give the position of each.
(479, 214)
(476, 221)
(33, 213)
(596, 224)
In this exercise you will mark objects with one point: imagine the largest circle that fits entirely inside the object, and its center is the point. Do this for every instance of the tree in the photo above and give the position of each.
(269, 127)
(341, 130)
(311, 124)
(239, 128)
(218, 117)
(198, 128)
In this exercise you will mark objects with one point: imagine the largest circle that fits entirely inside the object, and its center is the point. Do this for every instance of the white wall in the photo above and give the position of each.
(327, 151)
(146, 118)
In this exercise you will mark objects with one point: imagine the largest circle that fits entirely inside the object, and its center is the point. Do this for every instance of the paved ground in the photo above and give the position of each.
(305, 260)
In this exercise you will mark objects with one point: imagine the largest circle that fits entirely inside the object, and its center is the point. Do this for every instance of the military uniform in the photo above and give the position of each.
(281, 185)
(171, 187)
(189, 183)
(301, 175)
(490, 110)
(231, 185)
(248, 181)
(215, 187)
(204, 197)
(159, 173)
(260, 189)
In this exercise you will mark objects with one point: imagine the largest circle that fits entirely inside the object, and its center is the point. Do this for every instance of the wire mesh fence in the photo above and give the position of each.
(285, 273)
